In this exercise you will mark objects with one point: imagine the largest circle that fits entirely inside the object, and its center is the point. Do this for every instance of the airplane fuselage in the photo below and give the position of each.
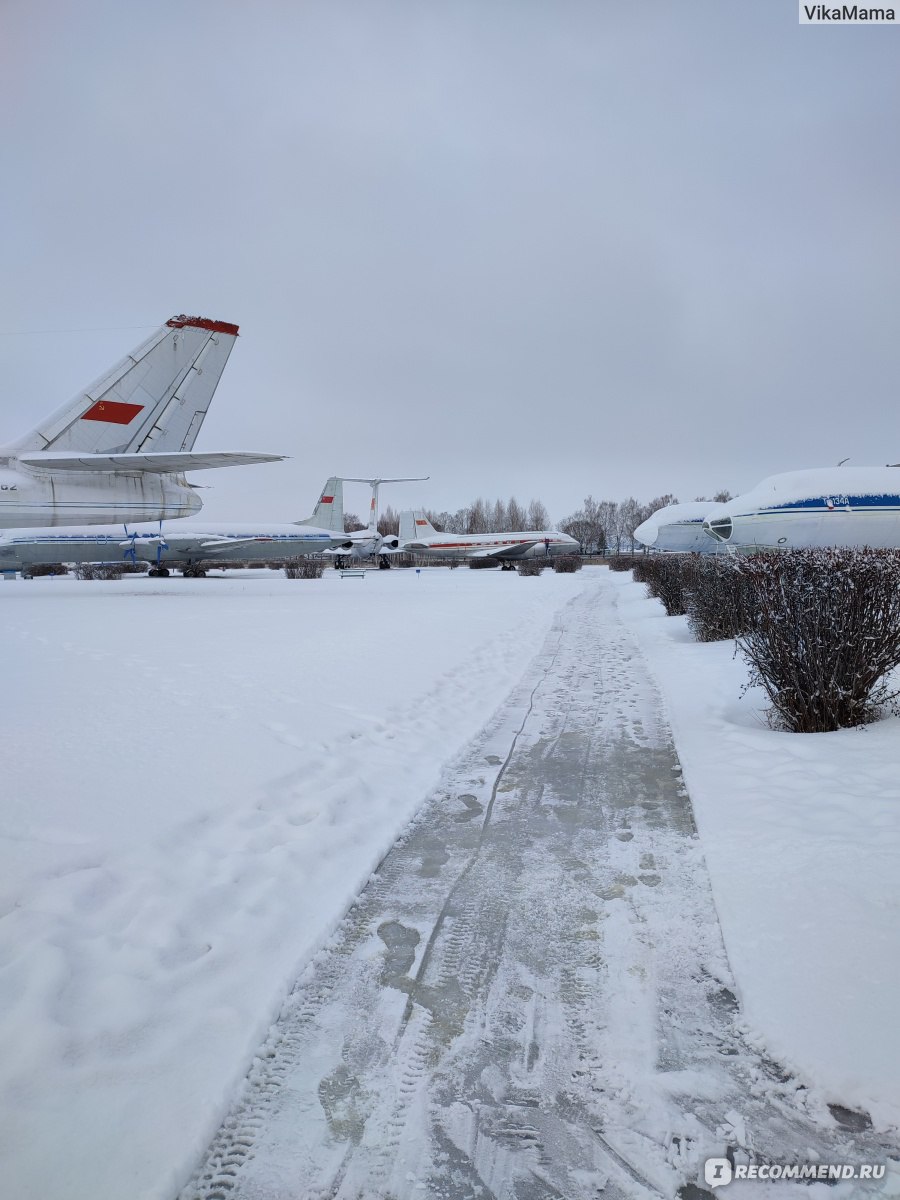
(679, 528)
(816, 522)
(536, 543)
(36, 499)
(187, 546)
(814, 509)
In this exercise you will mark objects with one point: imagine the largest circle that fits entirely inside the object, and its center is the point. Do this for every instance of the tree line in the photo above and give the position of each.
(610, 524)
(598, 525)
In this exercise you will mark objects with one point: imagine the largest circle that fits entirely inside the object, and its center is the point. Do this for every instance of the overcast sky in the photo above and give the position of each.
(529, 247)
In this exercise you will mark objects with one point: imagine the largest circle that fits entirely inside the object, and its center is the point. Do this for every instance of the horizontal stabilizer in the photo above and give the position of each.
(174, 463)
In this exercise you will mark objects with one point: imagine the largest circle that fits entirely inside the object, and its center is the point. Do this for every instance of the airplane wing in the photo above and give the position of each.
(208, 545)
(221, 543)
(518, 551)
(173, 463)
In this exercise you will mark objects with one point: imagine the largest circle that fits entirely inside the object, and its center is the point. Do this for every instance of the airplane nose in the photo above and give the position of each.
(647, 532)
(719, 529)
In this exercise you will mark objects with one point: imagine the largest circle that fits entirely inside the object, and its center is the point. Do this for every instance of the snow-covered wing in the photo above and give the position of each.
(160, 464)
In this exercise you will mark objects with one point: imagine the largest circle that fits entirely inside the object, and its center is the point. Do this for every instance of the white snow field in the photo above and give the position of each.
(801, 834)
(199, 776)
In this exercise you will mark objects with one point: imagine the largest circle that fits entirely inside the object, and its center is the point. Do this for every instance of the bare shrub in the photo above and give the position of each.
(530, 566)
(668, 578)
(304, 568)
(639, 570)
(567, 564)
(623, 562)
(483, 564)
(99, 571)
(719, 599)
(825, 635)
(37, 569)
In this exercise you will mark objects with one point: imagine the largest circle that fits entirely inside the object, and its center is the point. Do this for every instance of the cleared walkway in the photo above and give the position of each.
(531, 998)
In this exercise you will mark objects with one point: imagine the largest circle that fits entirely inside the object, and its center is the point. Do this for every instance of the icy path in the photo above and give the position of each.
(531, 998)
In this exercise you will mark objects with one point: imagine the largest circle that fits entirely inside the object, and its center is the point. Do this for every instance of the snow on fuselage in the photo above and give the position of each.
(826, 506)
(679, 527)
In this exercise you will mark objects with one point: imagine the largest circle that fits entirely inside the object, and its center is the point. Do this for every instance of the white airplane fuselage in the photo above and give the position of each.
(36, 498)
(534, 544)
(827, 507)
(185, 546)
(679, 528)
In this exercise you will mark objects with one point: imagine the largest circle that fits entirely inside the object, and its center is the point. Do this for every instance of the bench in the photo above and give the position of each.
(359, 573)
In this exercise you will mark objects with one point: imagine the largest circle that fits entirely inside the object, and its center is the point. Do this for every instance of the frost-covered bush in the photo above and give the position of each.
(567, 564)
(37, 569)
(99, 571)
(719, 599)
(622, 562)
(304, 568)
(531, 566)
(825, 634)
(639, 568)
(668, 577)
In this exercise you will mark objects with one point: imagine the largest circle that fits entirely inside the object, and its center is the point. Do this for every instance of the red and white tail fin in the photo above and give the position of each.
(415, 525)
(329, 510)
(154, 400)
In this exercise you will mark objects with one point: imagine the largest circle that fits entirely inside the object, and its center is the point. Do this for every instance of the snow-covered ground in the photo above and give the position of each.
(198, 777)
(801, 835)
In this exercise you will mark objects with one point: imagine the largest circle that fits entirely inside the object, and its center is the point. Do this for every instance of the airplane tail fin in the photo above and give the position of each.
(329, 510)
(373, 510)
(407, 527)
(154, 400)
(415, 525)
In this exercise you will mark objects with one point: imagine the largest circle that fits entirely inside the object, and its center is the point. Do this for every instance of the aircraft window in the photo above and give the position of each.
(722, 528)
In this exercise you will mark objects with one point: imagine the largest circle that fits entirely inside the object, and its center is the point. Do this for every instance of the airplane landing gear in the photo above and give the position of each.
(383, 563)
(158, 571)
(193, 572)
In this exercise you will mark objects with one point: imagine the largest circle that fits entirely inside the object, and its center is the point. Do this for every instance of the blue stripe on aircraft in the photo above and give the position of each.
(840, 501)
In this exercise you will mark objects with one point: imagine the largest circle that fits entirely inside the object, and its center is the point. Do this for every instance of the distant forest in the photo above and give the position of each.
(598, 525)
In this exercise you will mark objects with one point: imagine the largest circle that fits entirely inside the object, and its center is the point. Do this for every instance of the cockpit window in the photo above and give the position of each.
(720, 528)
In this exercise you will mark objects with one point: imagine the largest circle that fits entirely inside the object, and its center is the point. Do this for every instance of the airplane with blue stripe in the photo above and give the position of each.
(193, 549)
(825, 507)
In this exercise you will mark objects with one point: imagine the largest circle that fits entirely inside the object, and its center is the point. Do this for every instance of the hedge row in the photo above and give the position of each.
(820, 629)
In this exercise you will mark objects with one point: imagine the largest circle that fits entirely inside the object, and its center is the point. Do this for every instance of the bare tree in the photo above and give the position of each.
(718, 498)
(477, 518)
(438, 519)
(389, 522)
(631, 515)
(660, 502)
(538, 517)
(498, 518)
(606, 511)
(515, 515)
(352, 523)
(586, 526)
